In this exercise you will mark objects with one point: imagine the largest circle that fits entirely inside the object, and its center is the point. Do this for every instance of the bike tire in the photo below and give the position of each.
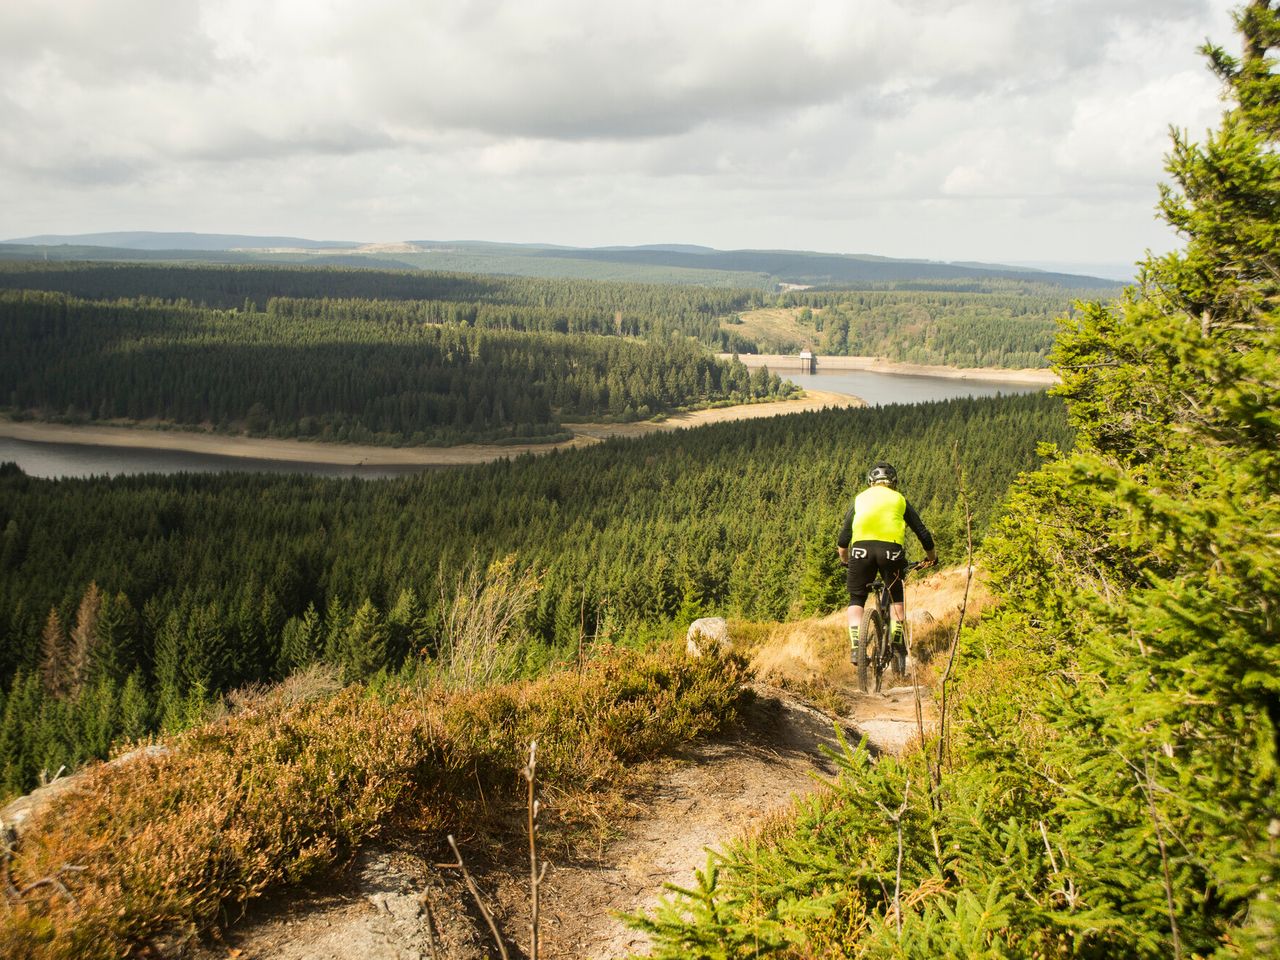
(900, 654)
(861, 657)
(877, 639)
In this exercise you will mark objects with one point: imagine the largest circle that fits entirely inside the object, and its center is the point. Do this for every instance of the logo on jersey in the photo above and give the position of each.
(859, 553)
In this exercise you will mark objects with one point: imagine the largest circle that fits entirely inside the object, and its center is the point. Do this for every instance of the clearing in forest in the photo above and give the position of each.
(775, 329)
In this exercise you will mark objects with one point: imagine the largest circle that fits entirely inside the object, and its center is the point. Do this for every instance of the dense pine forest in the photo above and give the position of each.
(126, 604)
(996, 325)
(348, 372)
(283, 325)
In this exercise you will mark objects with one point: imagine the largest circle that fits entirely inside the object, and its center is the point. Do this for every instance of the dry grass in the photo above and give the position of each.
(778, 328)
(482, 611)
(811, 657)
(285, 785)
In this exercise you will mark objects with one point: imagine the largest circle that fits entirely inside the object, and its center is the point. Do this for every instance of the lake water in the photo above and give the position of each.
(880, 388)
(86, 460)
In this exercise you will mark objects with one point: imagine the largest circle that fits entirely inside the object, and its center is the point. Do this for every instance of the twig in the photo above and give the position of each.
(915, 689)
(475, 894)
(12, 893)
(1146, 784)
(955, 640)
(536, 872)
(895, 817)
(432, 944)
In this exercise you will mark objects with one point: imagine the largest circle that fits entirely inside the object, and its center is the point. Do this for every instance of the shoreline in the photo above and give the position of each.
(782, 364)
(351, 455)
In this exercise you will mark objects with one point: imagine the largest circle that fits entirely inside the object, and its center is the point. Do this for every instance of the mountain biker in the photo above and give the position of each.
(872, 541)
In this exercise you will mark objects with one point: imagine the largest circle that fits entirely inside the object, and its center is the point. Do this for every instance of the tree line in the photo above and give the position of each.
(991, 322)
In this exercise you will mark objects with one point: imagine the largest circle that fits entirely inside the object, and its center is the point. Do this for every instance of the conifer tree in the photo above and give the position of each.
(135, 710)
(300, 641)
(84, 639)
(54, 656)
(364, 647)
(822, 584)
(1149, 554)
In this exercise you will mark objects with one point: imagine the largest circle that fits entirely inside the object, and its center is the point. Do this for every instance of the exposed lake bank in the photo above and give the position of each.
(354, 455)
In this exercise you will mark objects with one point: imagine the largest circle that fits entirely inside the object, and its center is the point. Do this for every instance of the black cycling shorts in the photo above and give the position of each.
(869, 558)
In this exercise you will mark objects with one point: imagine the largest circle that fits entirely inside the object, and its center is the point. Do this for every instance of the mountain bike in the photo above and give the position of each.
(876, 652)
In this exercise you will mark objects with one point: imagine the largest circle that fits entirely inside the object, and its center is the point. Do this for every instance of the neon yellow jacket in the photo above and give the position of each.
(882, 513)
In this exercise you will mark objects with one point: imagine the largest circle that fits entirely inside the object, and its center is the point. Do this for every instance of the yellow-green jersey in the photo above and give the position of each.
(882, 514)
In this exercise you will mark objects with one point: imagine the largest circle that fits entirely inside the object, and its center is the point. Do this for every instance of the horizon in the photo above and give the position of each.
(1112, 271)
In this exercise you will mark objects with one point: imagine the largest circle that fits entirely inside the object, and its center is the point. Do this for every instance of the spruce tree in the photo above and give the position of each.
(54, 656)
(84, 639)
(1147, 560)
(364, 647)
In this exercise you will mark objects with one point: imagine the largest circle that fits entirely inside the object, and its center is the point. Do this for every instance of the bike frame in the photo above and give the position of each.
(875, 630)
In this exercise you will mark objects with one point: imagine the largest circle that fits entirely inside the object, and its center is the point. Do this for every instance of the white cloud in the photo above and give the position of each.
(907, 127)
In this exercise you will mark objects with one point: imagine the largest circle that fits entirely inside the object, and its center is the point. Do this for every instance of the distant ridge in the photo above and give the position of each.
(150, 240)
(659, 262)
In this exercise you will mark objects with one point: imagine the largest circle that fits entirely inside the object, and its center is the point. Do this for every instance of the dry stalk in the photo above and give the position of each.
(1147, 785)
(944, 683)
(475, 895)
(895, 817)
(536, 872)
(433, 945)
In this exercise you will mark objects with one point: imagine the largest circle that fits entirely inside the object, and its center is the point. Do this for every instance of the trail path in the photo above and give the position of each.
(392, 901)
(715, 792)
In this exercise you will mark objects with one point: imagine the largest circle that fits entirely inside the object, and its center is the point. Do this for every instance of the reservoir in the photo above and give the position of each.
(38, 459)
(880, 388)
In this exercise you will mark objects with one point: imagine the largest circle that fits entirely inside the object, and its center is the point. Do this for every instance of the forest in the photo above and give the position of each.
(127, 604)
(985, 321)
(345, 372)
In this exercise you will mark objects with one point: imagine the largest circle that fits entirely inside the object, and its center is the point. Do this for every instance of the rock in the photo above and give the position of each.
(706, 634)
(17, 815)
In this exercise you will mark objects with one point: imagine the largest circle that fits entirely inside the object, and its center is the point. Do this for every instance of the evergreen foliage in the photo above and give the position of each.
(354, 373)
(217, 581)
(1110, 788)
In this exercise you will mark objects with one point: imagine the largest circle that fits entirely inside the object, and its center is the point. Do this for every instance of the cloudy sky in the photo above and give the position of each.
(987, 129)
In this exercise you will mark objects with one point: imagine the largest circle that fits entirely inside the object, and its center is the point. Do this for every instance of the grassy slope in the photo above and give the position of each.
(281, 789)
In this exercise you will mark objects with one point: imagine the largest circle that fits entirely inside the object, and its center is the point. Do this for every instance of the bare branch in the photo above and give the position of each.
(475, 895)
(536, 874)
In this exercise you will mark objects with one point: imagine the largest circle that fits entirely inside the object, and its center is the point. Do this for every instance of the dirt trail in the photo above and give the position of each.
(392, 901)
(714, 792)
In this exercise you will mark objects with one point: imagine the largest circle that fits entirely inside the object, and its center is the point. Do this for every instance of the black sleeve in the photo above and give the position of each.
(846, 529)
(918, 528)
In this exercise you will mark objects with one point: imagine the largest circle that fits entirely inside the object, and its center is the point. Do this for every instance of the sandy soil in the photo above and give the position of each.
(301, 451)
(780, 363)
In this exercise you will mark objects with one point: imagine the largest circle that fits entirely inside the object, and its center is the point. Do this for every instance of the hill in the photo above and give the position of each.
(668, 263)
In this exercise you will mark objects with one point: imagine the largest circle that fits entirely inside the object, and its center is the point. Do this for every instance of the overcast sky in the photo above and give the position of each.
(989, 129)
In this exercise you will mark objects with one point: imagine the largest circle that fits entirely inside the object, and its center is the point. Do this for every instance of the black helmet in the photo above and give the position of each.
(882, 473)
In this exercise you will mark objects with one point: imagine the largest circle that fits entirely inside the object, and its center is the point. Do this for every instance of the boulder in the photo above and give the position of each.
(707, 634)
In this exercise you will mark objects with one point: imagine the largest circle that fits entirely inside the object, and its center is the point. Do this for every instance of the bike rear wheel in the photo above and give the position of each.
(877, 637)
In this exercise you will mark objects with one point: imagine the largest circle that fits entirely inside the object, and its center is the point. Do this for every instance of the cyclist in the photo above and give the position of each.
(872, 541)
